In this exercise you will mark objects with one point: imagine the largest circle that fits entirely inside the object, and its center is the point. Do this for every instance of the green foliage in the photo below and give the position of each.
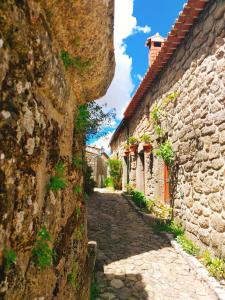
(92, 118)
(129, 188)
(71, 277)
(77, 162)
(42, 253)
(155, 113)
(94, 291)
(159, 131)
(58, 182)
(165, 152)
(74, 62)
(172, 227)
(146, 138)
(215, 266)
(89, 182)
(9, 258)
(81, 121)
(188, 245)
(133, 140)
(172, 97)
(115, 169)
(109, 182)
(77, 189)
(78, 211)
(139, 199)
(79, 232)
(162, 211)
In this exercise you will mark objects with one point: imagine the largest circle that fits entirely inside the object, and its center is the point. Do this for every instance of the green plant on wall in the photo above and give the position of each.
(159, 131)
(78, 162)
(155, 113)
(58, 182)
(9, 258)
(74, 62)
(77, 189)
(146, 138)
(165, 152)
(133, 140)
(42, 253)
(79, 232)
(172, 97)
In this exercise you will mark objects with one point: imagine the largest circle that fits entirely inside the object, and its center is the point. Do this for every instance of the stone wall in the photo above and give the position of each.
(39, 99)
(195, 124)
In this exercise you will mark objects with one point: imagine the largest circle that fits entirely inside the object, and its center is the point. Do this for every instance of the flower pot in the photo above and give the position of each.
(147, 148)
(133, 148)
(126, 153)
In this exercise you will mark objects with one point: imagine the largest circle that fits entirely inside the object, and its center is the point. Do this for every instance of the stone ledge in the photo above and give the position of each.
(198, 268)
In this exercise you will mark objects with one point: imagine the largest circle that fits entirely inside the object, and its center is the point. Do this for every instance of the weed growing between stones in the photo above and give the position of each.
(9, 258)
(77, 162)
(215, 266)
(58, 182)
(77, 189)
(79, 232)
(172, 227)
(74, 62)
(165, 152)
(188, 245)
(42, 253)
(94, 291)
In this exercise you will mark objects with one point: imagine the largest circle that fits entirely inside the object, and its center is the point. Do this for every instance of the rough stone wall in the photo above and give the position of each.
(39, 98)
(195, 124)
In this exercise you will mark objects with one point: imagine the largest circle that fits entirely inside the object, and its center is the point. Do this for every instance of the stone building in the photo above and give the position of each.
(97, 160)
(186, 82)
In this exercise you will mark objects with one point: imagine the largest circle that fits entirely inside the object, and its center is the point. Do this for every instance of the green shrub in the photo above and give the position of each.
(9, 258)
(188, 245)
(89, 182)
(77, 162)
(94, 291)
(172, 227)
(109, 182)
(165, 152)
(215, 266)
(42, 254)
(139, 199)
(82, 119)
(129, 188)
(115, 172)
(162, 211)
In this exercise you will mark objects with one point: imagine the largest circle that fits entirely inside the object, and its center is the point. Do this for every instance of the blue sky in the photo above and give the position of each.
(135, 21)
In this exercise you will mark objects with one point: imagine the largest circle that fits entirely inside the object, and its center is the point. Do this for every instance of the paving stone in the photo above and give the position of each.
(142, 265)
(117, 283)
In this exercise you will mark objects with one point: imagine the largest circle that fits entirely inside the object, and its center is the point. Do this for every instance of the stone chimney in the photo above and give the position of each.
(154, 43)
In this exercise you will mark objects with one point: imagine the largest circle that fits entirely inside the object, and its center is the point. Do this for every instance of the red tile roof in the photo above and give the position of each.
(183, 24)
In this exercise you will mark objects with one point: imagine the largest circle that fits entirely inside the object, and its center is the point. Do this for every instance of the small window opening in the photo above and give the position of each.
(157, 44)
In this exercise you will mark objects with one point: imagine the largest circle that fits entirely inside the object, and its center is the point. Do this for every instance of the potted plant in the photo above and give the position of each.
(126, 150)
(146, 139)
(133, 141)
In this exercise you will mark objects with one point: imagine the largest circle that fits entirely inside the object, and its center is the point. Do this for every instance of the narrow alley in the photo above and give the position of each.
(133, 262)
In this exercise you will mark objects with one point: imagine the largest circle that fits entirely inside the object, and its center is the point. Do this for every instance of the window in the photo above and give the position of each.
(157, 44)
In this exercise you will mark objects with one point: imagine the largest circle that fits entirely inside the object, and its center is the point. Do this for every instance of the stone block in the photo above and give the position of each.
(197, 208)
(217, 223)
(204, 236)
(215, 202)
(222, 138)
(203, 222)
(217, 164)
(208, 130)
(219, 11)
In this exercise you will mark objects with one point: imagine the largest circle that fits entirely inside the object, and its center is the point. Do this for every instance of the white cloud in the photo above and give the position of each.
(103, 142)
(139, 77)
(121, 88)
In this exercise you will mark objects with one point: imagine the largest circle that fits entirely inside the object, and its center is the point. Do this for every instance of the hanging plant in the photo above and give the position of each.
(165, 152)
(133, 141)
(146, 139)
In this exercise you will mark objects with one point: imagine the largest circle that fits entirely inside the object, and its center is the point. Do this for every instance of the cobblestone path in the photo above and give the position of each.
(133, 262)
